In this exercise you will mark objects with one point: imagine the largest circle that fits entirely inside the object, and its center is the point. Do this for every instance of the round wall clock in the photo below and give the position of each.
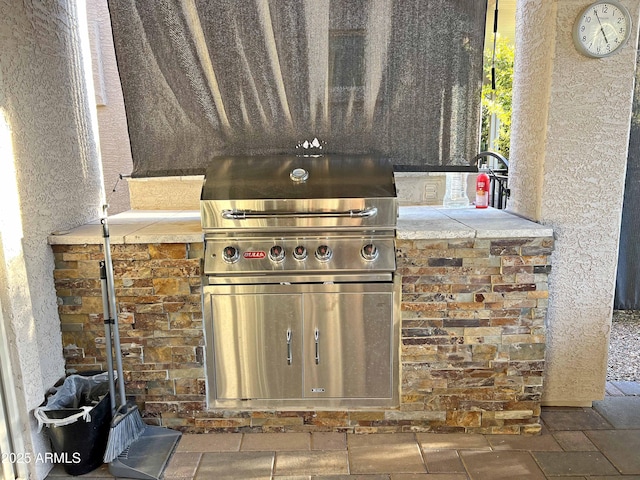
(602, 29)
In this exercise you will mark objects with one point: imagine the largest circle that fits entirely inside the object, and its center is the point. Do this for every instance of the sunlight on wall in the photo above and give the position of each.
(18, 325)
(13, 271)
(10, 221)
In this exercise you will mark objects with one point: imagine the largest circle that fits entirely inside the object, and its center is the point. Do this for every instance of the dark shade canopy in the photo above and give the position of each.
(209, 78)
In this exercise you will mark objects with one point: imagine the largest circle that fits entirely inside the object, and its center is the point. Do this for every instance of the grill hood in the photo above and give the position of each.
(264, 178)
(299, 192)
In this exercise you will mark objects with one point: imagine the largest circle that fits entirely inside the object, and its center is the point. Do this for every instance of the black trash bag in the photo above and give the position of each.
(78, 419)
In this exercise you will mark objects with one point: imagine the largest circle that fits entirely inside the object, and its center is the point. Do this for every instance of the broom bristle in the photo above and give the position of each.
(126, 428)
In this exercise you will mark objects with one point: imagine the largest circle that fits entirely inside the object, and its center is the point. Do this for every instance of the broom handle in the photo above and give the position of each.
(108, 321)
(112, 307)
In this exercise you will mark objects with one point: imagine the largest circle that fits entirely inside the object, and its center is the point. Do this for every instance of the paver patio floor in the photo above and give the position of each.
(599, 443)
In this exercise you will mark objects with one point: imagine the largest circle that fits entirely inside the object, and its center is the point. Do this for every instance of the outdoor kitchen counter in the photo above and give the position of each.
(472, 337)
(426, 223)
(138, 226)
(414, 223)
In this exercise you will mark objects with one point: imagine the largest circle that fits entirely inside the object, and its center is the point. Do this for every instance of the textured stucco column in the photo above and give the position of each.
(50, 180)
(570, 138)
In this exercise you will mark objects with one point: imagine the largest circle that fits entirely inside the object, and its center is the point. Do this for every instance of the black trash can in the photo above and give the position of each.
(79, 446)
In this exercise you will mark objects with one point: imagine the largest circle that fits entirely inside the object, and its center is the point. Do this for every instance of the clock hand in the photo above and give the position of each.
(601, 29)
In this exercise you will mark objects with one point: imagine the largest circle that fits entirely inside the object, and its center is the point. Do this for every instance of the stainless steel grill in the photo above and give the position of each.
(300, 298)
(319, 218)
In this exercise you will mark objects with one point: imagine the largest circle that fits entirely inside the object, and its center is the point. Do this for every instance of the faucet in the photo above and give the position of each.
(490, 154)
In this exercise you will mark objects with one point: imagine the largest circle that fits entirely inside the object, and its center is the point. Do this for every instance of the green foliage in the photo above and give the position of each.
(498, 101)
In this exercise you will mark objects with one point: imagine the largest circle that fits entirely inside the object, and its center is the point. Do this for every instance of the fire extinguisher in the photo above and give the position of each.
(482, 190)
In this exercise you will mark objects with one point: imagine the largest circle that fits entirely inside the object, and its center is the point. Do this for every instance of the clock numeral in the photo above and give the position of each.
(605, 9)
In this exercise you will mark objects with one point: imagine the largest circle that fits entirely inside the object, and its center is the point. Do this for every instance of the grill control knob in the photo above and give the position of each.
(276, 253)
(369, 252)
(230, 254)
(323, 253)
(300, 252)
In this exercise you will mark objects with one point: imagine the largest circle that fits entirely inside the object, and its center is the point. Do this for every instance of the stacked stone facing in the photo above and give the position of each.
(472, 352)
(158, 290)
(473, 332)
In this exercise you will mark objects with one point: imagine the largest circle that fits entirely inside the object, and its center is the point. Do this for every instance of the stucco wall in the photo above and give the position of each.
(115, 151)
(50, 181)
(569, 149)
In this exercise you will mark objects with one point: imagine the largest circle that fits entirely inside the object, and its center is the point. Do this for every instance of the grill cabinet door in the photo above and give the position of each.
(257, 345)
(348, 345)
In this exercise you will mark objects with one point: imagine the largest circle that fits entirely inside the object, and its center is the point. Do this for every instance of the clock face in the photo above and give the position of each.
(602, 29)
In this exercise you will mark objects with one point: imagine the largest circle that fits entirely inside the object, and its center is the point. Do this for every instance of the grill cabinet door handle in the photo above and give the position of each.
(289, 357)
(249, 214)
(317, 337)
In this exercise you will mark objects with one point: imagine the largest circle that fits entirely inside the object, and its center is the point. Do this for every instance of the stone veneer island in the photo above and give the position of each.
(472, 353)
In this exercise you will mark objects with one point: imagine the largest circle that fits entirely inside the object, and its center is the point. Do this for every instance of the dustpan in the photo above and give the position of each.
(147, 456)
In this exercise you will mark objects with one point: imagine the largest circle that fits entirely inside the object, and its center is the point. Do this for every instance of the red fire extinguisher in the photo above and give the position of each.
(482, 190)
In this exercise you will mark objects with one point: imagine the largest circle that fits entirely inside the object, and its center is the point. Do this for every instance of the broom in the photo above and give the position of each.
(108, 321)
(127, 424)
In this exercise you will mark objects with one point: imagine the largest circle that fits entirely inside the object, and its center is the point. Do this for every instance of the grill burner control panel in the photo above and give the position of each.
(277, 253)
(256, 256)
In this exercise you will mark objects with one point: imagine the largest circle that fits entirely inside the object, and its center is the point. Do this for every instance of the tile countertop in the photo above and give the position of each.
(428, 223)
(137, 226)
(414, 223)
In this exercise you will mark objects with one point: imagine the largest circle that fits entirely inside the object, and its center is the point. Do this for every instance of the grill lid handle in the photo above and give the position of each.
(249, 214)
